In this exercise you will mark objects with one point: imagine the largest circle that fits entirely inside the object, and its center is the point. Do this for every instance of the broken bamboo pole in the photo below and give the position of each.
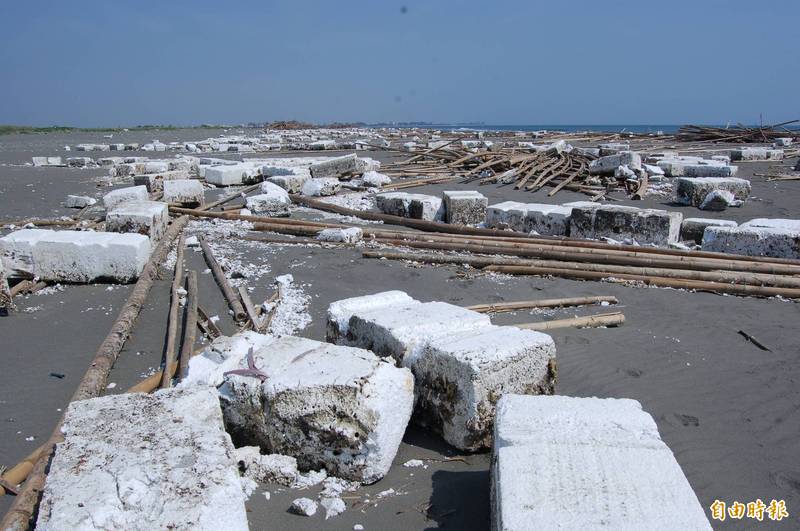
(252, 315)
(171, 351)
(190, 324)
(230, 197)
(589, 321)
(222, 281)
(93, 382)
(205, 322)
(500, 307)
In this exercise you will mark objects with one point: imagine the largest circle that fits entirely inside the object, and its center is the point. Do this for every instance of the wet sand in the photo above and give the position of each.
(728, 410)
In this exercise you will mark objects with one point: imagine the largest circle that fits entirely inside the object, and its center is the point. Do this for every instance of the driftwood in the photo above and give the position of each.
(543, 303)
(94, 380)
(171, 351)
(737, 134)
(222, 281)
(591, 321)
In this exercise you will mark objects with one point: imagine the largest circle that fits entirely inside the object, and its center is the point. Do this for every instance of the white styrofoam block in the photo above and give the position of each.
(184, 192)
(348, 235)
(459, 377)
(223, 354)
(405, 327)
(335, 166)
(329, 406)
(229, 175)
(156, 166)
(291, 183)
(273, 200)
(500, 215)
(373, 179)
(753, 241)
(692, 229)
(585, 463)
(693, 190)
(464, 207)
(321, 186)
(416, 206)
(642, 225)
(607, 165)
(756, 153)
(340, 312)
(144, 461)
(120, 195)
(150, 218)
(75, 256)
(79, 201)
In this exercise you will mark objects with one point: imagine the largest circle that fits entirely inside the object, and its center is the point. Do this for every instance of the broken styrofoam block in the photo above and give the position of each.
(142, 217)
(400, 330)
(719, 200)
(121, 195)
(79, 162)
(459, 377)
(272, 201)
(585, 463)
(416, 206)
(642, 225)
(75, 256)
(340, 312)
(464, 207)
(692, 229)
(124, 464)
(333, 407)
(188, 192)
(291, 183)
(693, 190)
(373, 179)
(155, 181)
(321, 187)
(275, 468)
(753, 241)
(756, 153)
(79, 201)
(334, 167)
(608, 164)
(304, 507)
(348, 235)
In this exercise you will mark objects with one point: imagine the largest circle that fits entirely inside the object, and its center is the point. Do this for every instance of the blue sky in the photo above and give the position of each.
(109, 63)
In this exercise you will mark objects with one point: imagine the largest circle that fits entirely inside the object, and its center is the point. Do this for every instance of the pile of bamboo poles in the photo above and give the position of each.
(737, 134)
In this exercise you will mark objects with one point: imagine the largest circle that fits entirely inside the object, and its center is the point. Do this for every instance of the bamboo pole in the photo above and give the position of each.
(171, 353)
(230, 197)
(543, 303)
(252, 315)
(190, 324)
(590, 321)
(213, 330)
(93, 382)
(222, 281)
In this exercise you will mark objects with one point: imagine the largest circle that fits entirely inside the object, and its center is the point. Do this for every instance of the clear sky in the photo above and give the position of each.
(118, 62)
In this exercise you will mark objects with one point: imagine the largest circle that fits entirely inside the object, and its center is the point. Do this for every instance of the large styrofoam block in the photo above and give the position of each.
(459, 378)
(121, 195)
(753, 241)
(608, 164)
(46, 161)
(551, 220)
(500, 216)
(756, 153)
(229, 175)
(323, 186)
(340, 312)
(692, 229)
(643, 225)
(709, 170)
(144, 461)
(693, 190)
(142, 217)
(155, 181)
(291, 183)
(329, 406)
(464, 207)
(75, 256)
(335, 166)
(222, 355)
(612, 148)
(401, 330)
(156, 166)
(272, 201)
(417, 206)
(585, 463)
(184, 192)
(775, 223)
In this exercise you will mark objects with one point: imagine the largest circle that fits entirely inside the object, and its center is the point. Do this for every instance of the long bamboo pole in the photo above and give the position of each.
(171, 353)
(590, 321)
(190, 324)
(222, 281)
(500, 307)
(93, 382)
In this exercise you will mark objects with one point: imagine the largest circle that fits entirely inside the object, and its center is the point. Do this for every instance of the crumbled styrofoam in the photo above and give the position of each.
(275, 468)
(291, 314)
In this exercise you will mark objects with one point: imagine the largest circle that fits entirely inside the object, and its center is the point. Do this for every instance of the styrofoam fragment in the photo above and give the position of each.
(348, 235)
(79, 201)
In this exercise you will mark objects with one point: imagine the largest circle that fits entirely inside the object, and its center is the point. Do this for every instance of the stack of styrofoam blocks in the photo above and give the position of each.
(144, 461)
(141, 217)
(75, 256)
(461, 363)
(585, 463)
(334, 407)
(417, 206)
(642, 225)
(693, 190)
(777, 238)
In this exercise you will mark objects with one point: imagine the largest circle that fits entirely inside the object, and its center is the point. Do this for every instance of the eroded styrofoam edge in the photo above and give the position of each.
(339, 312)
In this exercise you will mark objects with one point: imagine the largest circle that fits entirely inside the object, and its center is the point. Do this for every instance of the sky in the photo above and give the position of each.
(121, 63)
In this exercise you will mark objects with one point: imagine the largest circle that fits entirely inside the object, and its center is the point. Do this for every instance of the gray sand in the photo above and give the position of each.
(728, 410)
